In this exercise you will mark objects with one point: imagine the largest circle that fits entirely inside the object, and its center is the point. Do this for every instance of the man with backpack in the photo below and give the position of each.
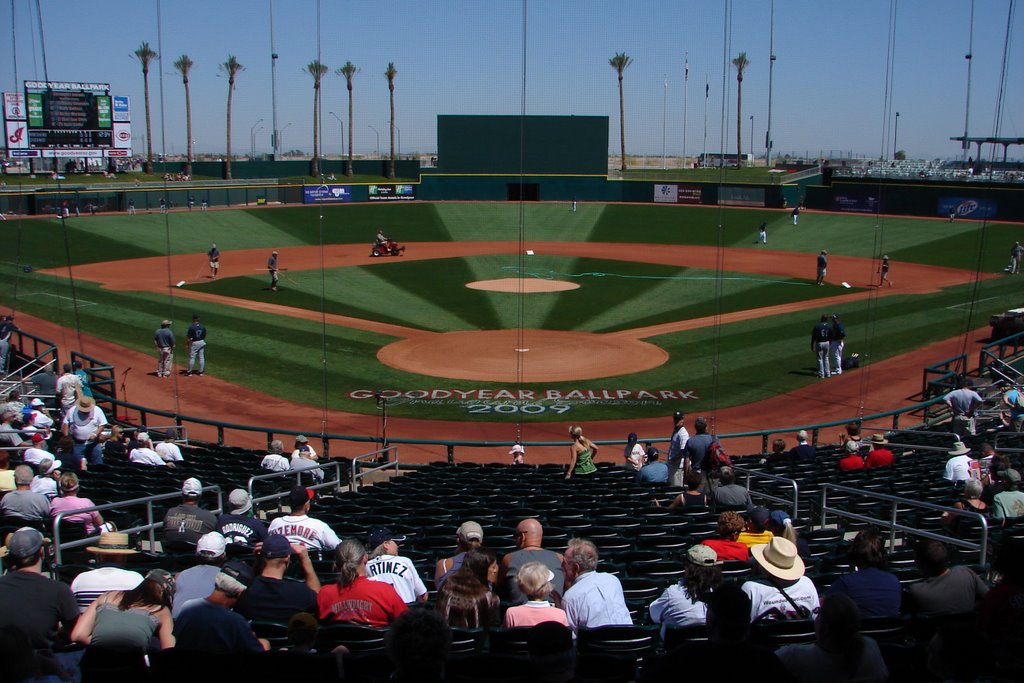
(703, 454)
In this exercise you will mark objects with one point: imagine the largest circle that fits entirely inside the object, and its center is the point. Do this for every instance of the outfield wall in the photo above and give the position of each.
(974, 200)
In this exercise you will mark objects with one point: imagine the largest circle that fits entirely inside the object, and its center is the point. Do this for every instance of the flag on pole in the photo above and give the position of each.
(707, 90)
(686, 70)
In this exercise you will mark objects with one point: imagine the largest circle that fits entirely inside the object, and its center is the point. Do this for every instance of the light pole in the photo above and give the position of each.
(341, 125)
(280, 136)
(895, 130)
(378, 138)
(664, 110)
(252, 139)
(751, 138)
(275, 142)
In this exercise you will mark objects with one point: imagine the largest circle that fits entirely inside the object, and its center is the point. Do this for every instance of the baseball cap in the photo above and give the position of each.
(239, 502)
(212, 544)
(23, 543)
(275, 547)
(301, 438)
(852, 447)
(518, 448)
(471, 531)
(760, 516)
(52, 467)
(299, 496)
(142, 436)
(779, 518)
(165, 323)
(382, 535)
(678, 415)
(702, 556)
(36, 402)
(239, 571)
(37, 437)
(1011, 475)
(163, 578)
(192, 488)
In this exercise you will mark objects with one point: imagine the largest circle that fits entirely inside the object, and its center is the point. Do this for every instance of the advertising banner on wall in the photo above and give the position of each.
(14, 106)
(967, 207)
(856, 203)
(121, 110)
(17, 135)
(391, 193)
(673, 193)
(326, 194)
(740, 196)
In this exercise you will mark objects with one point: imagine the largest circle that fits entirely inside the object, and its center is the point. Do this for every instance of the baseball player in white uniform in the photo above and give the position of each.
(302, 529)
(385, 565)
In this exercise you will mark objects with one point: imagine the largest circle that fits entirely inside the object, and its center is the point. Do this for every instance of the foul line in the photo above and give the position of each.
(554, 274)
(968, 303)
(81, 302)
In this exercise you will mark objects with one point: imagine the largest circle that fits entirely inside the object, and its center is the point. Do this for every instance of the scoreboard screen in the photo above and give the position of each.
(69, 115)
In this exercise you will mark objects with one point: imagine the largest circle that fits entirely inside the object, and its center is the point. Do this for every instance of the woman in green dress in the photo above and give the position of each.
(581, 453)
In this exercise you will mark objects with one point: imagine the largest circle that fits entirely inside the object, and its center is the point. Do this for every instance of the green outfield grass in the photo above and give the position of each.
(282, 356)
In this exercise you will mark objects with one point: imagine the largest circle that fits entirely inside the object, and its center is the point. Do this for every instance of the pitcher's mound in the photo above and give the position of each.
(527, 285)
(546, 355)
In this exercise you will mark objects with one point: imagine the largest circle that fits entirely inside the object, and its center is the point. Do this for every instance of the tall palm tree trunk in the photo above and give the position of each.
(622, 126)
(188, 129)
(149, 123)
(227, 162)
(348, 166)
(391, 165)
(315, 167)
(739, 125)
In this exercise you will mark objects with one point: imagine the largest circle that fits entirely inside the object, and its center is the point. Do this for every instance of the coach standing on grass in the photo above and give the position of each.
(272, 269)
(196, 346)
(821, 335)
(164, 341)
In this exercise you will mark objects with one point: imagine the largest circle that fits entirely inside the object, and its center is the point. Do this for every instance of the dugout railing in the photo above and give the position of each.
(282, 492)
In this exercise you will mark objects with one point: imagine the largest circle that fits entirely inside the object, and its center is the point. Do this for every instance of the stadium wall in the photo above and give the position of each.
(900, 197)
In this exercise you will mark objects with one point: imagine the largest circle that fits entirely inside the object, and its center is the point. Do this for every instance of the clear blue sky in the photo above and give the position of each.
(465, 57)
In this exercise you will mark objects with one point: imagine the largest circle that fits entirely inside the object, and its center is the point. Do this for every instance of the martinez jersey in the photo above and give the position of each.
(312, 533)
(400, 573)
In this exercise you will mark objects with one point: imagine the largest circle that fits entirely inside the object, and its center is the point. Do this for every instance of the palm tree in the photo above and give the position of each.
(741, 62)
(145, 55)
(620, 62)
(390, 74)
(349, 71)
(317, 71)
(231, 68)
(184, 65)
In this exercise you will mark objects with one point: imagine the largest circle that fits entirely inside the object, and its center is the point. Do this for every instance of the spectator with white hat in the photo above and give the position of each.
(84, 423)
(469, 536)
(45, 481)
(144, 454)
(198, 581)
(958, 467)
(782, 591)
(238, 524)
(186, 523)
(518, 453)
(683, 604)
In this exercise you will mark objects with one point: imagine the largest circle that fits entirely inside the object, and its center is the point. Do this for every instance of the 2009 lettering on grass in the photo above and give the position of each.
(529, 394)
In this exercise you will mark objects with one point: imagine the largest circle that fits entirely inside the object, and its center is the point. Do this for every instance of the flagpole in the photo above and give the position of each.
(707, 92)
(686, 91)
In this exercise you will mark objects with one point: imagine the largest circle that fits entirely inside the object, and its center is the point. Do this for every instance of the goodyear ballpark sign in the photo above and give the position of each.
(529, 401)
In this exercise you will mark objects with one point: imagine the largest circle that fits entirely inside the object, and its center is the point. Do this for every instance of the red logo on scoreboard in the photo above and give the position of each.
(124, 135)
(117, 152)
(17, 136)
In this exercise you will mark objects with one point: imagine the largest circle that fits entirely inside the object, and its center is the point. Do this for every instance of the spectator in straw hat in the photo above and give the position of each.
(38, 605)
(112, 553)
(186, 523)
(782, 591)
(958, 467)
(84, 423)
(879, 456)
(238, 524)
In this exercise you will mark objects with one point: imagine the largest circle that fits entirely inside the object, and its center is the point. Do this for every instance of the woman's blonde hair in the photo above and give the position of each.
(533, 580)
(575, 431)
(69, 482)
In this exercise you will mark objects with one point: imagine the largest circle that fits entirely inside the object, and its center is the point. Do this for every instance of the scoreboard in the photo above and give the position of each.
(65, 119)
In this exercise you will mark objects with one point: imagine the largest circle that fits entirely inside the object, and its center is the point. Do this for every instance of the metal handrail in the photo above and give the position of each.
(151, 526)
(893, 525)
(327, 483)
(995, 442)
(756, 474)
(357, 464)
